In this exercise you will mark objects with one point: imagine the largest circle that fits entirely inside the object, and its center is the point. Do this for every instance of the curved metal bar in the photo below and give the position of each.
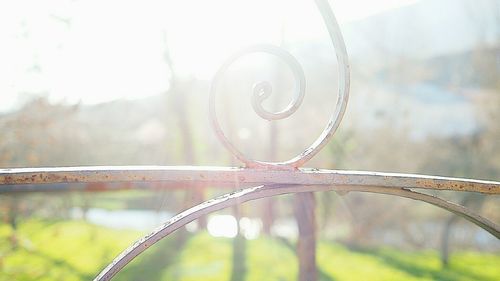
(230, 177)
(258, 192)
(263, 89)
(457, 209)
(344, 83)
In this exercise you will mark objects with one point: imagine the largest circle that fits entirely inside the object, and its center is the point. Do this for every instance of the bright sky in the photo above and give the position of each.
(95, 51)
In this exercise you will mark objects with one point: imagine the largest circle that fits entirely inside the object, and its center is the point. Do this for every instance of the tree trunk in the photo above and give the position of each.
(12, 218)
(239, 268)
(179, 102)
(445, 240)
(470, 200)
(267, 215)
(306, 246)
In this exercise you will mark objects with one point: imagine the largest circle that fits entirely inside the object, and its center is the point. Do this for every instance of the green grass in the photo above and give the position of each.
(70, 250)
(390, 264)
(75, 250)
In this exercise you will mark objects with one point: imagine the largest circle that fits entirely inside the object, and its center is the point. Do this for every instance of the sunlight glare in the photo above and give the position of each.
(250, 227)
(93, 51)
(222, 226)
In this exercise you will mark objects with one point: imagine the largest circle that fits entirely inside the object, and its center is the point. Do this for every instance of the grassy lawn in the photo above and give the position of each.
(75, 250)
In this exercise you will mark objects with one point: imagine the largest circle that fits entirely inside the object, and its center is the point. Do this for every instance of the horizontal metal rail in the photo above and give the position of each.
(47, 179)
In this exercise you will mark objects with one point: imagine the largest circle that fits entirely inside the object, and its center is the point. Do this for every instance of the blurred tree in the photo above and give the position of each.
(178, 99)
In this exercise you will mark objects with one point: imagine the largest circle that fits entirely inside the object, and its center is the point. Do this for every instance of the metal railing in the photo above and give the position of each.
(258, 179)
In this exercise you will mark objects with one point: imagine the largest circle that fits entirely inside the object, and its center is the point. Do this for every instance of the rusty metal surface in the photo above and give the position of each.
(258, 192)
(231, 177)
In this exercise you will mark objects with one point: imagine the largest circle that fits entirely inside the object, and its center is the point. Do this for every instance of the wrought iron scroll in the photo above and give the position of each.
(262, 90)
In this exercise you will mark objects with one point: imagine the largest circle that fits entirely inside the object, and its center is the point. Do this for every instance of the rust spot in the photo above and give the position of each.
(98, 186)
(8, 179)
